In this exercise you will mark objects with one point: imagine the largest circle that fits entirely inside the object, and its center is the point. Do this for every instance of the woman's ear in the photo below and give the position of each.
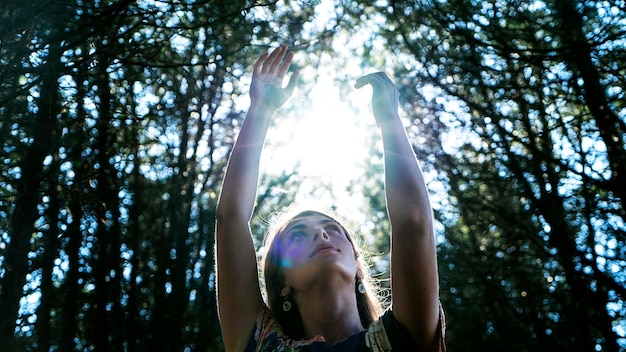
(285, 291)
(359, 271)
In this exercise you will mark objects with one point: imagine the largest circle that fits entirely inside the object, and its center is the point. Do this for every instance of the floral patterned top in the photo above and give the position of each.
(384, 335)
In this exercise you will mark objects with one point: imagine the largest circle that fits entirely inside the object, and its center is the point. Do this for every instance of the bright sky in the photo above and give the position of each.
(328, 139)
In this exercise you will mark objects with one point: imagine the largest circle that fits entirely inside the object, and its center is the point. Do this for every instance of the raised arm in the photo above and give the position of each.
(414, 278)
(238, 292)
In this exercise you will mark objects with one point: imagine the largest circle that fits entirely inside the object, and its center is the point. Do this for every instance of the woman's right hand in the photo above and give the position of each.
(266, 90)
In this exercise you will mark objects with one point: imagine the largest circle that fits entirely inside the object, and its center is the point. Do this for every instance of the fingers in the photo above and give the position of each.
(259, 63)
(270, 64)
(360, 82)
(375, 79)
(293, 81)
(274, 65)
(284, 66)
(272, 61)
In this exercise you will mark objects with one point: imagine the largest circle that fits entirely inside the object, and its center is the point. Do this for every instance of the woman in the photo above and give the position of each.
(316, 281)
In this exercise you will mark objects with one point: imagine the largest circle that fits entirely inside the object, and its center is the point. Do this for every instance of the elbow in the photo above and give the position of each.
(415, 220)
(229, 213)
(223, 213)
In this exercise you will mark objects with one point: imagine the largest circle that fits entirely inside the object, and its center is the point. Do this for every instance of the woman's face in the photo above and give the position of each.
(312, 245)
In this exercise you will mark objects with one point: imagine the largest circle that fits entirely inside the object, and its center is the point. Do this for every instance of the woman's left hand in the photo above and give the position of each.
(385, 95)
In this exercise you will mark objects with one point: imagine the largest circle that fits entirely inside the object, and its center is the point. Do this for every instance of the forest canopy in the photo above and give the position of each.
(117, 118)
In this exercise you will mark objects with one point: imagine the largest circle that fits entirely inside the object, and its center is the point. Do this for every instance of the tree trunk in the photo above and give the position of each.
(107, 267)
(21, 226)
(50, 253)
(579, 58)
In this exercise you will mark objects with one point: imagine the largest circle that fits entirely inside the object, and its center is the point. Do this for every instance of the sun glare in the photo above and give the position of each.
(328, 142)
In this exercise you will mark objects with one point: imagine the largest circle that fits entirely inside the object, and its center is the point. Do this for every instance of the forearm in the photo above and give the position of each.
(238, 291)
(405, 188)
(239, 296)
(414, 275)
(414, 278)
(240, 182)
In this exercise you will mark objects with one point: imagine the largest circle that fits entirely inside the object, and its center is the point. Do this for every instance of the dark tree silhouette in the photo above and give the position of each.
(525, 101)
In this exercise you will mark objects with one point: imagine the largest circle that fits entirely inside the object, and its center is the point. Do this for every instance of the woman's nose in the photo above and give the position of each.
(321, 234)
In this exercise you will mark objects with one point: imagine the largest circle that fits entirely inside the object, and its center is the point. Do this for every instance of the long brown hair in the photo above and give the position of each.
(368, 303)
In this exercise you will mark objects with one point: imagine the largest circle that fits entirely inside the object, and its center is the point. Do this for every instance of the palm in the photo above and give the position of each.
(267, 79)
(269, 92)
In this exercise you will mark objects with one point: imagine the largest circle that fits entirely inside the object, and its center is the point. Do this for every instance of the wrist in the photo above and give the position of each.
(262, 108)
(384, 119)
(260, 116)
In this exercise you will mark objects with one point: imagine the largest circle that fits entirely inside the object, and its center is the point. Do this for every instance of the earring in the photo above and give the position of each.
(287, 305)
(360, 287)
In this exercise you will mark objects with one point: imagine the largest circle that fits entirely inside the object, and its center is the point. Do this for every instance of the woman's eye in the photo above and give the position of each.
(296, 236)
(331, 228)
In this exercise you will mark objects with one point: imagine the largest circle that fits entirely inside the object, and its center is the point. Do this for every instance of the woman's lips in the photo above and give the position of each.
(322, 249)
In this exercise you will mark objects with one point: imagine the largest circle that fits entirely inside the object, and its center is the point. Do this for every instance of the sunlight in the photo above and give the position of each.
(326, 133)
(327, 141)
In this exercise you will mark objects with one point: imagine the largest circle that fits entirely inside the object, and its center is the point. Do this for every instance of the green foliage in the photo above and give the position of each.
(517, 107)
(117, 118)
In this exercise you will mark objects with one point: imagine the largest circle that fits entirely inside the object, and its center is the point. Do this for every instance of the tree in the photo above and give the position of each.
(524, 102)
(117, 118)
(34, 132)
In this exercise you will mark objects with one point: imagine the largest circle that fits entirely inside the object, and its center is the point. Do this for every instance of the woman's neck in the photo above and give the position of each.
(331, 314)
